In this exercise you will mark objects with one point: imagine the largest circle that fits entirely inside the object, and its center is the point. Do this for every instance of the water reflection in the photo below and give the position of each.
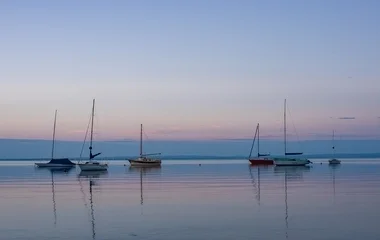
(55, 171)
(256, 184)
(143, 172)
(290, 173)
(91, 176)
(333, 169)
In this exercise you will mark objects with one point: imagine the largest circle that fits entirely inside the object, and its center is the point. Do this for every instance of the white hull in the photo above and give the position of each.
(291, 162)
(90, 166)
(53, 165)
(145, 162)
(334, 161)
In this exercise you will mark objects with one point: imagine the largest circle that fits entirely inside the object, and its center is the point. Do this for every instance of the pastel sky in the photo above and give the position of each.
(189, 69)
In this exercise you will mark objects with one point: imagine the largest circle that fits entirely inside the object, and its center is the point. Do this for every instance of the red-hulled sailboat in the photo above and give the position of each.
(261, 159)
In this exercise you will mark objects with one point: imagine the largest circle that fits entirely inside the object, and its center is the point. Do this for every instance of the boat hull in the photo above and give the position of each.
(260, 161)
(93, 167)
(142, 163)
(334, 161)
(53, 165)
(291, 162)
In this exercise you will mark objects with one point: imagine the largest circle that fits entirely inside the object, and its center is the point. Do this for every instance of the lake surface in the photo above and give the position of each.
(185, 200)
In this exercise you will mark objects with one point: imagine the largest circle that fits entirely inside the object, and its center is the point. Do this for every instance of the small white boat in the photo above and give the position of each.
(334, 161)
(93, 165)
(290, 161)
(143, 160)
(55, 162)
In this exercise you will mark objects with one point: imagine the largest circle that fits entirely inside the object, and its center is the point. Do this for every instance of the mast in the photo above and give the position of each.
(253, 142)
(141, 133)
(285, 126)
(92, 130)
(53, 143)
(333, 142)
(258, 140)
(287, 153)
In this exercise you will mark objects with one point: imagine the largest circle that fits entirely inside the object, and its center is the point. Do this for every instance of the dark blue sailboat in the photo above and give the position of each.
(57, 162)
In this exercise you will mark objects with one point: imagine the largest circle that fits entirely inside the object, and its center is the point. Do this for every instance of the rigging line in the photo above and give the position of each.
(146, 136)
(294, 127)
(96, 129)
(253, 142)
(85, 138)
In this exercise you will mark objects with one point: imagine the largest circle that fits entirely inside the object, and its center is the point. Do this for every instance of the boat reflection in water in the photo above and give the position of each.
(256, 183)
(144, 171)
(56, 171)
(91, 176)
(333, 169)
(290, 173)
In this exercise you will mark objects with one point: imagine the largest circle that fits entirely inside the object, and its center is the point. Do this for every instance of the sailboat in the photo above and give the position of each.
(143, 160)
(92, 165)
(56, 162)
(261, 159)
(289, 161)
(333, 160)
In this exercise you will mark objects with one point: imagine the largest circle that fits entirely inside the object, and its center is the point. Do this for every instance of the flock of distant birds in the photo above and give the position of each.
(145, 160)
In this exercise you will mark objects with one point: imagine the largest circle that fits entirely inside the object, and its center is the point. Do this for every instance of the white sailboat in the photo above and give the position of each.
(144, 160)
(333, 160)
(289, 161)
(55, 162)
(92, 165)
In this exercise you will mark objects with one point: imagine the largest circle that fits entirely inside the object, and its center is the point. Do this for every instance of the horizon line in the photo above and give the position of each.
(193, 140)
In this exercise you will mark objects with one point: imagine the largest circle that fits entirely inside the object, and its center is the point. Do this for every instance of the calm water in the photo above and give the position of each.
(182, 200)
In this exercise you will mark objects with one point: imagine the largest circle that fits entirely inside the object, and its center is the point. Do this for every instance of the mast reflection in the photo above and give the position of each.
(290, 173)
(55, 171)
(257, 185)
(143, 171)
(91, 176)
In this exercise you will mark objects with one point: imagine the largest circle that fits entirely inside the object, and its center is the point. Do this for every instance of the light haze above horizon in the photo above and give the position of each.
(190, 69)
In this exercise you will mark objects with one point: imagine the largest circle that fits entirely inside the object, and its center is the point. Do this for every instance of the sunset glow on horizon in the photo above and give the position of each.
(190, 70)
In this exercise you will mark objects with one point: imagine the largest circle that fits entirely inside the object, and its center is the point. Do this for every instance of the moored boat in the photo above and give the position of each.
(290, 161)
(144, 160)
(333, 161)
(55, 162)
(261, 159)
(92, 165)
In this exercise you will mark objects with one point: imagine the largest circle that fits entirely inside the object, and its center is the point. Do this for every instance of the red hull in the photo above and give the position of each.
(261, 161)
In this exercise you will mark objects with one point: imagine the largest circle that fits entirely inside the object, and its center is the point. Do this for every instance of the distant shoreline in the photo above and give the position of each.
(215, 157)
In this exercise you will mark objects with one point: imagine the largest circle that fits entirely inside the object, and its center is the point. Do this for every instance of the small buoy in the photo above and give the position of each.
(200, 164)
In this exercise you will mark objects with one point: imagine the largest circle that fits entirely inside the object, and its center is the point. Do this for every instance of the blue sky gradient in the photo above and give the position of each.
(189, 69)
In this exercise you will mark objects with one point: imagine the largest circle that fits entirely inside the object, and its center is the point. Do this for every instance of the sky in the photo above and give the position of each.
(189, 70)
